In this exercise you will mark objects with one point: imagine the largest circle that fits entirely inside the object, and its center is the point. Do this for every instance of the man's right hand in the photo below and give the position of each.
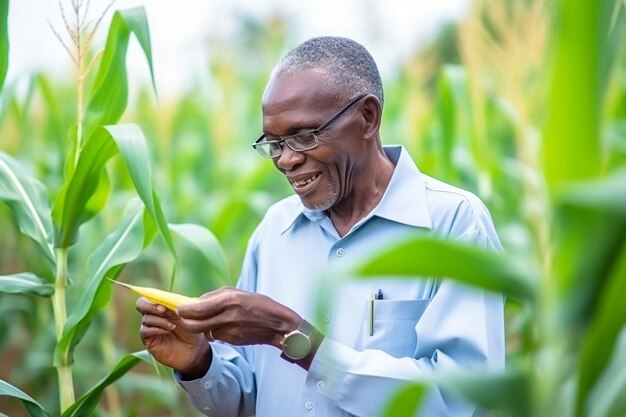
(164, 334)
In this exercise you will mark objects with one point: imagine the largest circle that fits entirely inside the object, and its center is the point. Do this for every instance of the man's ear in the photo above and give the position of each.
(372, 114)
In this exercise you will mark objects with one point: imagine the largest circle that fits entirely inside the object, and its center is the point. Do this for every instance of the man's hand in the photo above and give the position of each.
(239, 317)
(167, 339)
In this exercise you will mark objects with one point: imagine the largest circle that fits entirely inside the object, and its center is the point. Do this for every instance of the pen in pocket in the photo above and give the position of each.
(376, 296)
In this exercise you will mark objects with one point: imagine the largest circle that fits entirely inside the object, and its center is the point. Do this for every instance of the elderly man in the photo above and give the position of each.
(253, 350)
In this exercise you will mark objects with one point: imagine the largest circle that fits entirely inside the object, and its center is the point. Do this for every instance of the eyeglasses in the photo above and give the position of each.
(270, 146)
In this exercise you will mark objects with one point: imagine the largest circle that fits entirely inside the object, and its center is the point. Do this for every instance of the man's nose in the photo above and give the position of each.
(289, 159)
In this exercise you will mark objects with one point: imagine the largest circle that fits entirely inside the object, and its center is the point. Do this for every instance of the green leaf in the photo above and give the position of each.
(78, 200)
(587, 211)
(571, 145)
(119, 248)
(607, 194)
(406, 401)
(69, 209)
(33, 407)
(509, 394)
(207, 244)
(608, 398)
(449, 91)
(110, 95)
(429, 256)
(133, 147)
(4, 41)
(28, 200)
(25, 283)
(601, 340)
(85, 405)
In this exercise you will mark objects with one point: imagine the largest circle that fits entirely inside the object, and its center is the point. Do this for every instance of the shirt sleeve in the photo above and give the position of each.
(228, 388)
(462, 328)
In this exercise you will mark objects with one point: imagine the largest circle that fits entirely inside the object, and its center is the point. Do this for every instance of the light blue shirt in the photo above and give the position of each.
(420, 326)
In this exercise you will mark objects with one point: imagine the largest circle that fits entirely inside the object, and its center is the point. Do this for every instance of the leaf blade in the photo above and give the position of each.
(25, 283)
(110, 95)
(429, 256)
(206, 242)
(121, 246)
(84, 406)
(33, 407)
(28, 199)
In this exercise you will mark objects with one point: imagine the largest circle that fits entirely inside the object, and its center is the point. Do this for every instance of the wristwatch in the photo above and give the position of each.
(297, 344)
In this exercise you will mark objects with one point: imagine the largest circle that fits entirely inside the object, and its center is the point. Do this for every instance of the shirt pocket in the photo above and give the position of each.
(393, 329)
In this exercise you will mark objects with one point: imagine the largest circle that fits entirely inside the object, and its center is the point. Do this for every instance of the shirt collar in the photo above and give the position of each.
(404, 201)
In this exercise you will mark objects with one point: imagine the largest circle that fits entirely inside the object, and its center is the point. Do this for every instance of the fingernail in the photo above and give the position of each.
(172, 326)
(161, 309)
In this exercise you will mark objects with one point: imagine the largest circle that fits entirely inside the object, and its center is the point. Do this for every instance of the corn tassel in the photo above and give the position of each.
(166, 299)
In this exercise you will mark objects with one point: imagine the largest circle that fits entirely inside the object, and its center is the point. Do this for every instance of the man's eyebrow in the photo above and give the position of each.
(294, 130)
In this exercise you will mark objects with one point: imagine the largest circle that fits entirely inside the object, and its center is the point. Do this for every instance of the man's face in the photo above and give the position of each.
(323, 177)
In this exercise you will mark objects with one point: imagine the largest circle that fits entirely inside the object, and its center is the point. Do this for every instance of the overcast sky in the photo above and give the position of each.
(179, 30)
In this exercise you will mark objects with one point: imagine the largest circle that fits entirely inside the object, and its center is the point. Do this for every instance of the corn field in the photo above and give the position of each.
(522, 102)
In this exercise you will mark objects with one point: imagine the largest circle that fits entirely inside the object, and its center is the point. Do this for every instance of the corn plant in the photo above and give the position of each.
(96, 139)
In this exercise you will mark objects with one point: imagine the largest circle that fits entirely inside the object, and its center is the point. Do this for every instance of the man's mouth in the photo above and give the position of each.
(304, 182)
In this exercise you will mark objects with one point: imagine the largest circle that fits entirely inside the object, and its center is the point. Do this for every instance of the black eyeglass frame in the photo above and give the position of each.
(314, 133)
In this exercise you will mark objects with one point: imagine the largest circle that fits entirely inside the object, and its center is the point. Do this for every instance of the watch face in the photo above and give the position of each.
(296, 345)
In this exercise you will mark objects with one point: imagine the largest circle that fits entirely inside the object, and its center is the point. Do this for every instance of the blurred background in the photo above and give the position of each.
(466, 92)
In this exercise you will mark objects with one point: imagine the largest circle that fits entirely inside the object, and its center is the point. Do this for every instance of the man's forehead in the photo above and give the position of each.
(287, 88)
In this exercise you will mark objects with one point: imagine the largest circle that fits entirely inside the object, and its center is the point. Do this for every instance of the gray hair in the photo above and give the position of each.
(350, 67)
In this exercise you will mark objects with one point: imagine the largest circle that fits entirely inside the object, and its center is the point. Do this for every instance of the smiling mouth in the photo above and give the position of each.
(304, 182)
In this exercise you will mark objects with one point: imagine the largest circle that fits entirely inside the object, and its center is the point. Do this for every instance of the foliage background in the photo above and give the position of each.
(470, 106)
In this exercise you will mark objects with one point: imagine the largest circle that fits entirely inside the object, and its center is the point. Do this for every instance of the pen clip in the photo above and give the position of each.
(376, 296)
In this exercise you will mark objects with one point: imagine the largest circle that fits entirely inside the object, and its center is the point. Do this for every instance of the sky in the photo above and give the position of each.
(390, 29)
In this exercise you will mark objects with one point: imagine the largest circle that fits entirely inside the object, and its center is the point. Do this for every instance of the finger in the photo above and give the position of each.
(201, 326)
(210, 304)
(149, 320)
(146, 332)
(146, 307)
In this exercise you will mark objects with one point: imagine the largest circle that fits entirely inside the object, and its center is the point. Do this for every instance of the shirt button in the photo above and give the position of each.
(340, 252)
(327, 318)
(308, 405)
(321, 385)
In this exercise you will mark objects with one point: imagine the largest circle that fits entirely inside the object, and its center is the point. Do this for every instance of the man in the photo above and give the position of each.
(253, 350)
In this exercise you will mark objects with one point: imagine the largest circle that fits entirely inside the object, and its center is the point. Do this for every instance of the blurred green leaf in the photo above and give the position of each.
(450, 85)
(406, 400)
(571, 145)
(608, 398)
(435, 257)
(590, 245)
(85, 405)
(601, 340)
(207, 244)
(110, 95)
(33, 407)
(119, 248)
(28, 199)
(25, 283)
(508, 394)
(613, 17)
(4, 40)
(607, 194)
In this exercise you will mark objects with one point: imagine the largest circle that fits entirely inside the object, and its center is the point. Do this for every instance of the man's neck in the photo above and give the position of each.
(363, 200)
